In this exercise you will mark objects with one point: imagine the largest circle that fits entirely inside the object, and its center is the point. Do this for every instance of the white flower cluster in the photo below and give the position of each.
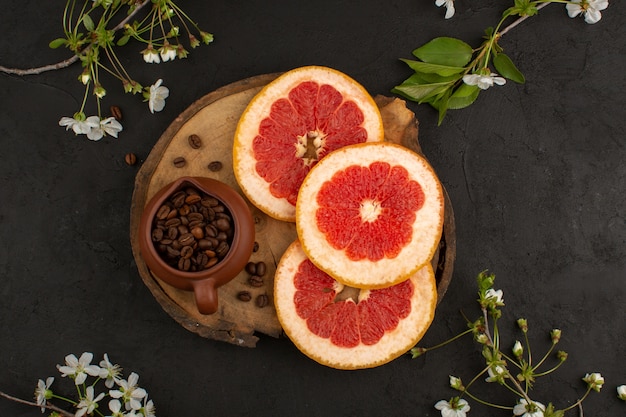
(96, 128)
(127, 398)
(590, 9)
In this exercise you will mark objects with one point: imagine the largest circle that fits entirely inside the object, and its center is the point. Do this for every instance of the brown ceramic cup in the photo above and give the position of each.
(205, 283)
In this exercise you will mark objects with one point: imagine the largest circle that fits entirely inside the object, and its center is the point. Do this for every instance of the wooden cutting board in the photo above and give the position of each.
(213, 118)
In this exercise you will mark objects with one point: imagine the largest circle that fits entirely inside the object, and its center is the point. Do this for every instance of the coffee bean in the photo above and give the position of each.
(162, 212)
(255, 247)
(157, 235)
(192, 199)
(212, 261)
(202, 259)
(215, 166)
(255, 281)
(184, 264)
(186, 252)
(179, 162)
(222, 224)
(130, 159)
(204, 244)
(187, 239)
(173, 222)
(222, 249)
(178, 199)
(116, 112)
(209, 202)
(244, 296)
(194, 141)
(172, 233)
(261, 268)
(197, 232)
(262, 300)
(251, 268)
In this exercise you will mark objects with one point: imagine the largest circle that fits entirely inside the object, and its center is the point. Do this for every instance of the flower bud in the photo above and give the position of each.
(518, 350)
(99, 91)
(561, 355)
(594, 381)
(482, 339)
(456, 383)
(85, 77)
(193, 41)
(207, 38)
(417, 351)
(522, 324)
(621, 392)
(555, 335)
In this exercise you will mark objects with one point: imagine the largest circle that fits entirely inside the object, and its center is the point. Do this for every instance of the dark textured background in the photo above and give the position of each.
(535, 172)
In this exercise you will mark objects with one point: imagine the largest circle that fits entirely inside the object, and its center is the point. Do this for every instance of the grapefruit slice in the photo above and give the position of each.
(370, 215)
(293, 122)
(347, 328)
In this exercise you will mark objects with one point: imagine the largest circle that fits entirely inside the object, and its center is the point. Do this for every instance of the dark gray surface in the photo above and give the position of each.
(535, 172)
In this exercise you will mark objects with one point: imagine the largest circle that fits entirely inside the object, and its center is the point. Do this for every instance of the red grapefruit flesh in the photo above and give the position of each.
(363, 330)
(292, 123)
(370, 215)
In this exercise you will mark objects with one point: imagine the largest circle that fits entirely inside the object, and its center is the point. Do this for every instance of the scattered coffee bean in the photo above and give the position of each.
(262, 300)
(261, 268)
(215, 166)
(251, 268)
(244, 296)
(187, 236)
(194, 141)
(180, 162)
(255, 247)
(255, 281)
(130, 159)
(116, 112)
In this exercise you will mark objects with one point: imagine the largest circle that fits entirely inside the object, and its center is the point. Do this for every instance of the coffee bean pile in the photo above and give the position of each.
(192, 231)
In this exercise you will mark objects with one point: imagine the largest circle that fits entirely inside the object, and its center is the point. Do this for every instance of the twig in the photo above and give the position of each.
(48, 406)
(520, 20)
(580, 409)
(67, 62)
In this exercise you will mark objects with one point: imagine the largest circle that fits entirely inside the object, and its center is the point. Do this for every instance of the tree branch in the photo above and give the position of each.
(48, 406)
(67, 62)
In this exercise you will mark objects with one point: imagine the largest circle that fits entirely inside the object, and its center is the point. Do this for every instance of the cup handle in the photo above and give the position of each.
(206, 296)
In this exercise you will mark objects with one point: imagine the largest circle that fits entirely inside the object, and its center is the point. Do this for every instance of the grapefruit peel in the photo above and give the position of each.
(405, 229)
(394, 341)
(270, 160)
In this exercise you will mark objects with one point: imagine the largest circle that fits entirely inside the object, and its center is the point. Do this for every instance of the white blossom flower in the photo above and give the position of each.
(158, 94)
(526, 409)
(42, 392)
(109, 372)
(594, 381)
(111, 126)
(491, 293)
(167, 52)
(590, 9)
(150, 55)
(79, 124)
(449, 7)
(483, 81)
(456, 407)
(496, 374)
(88, 403)
(78, 369)
(518, 349)
(148, 409)
(129, 392)
(621, 392)
(115, 406)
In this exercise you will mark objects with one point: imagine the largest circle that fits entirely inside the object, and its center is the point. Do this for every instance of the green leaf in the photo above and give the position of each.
(463, 96)
(420, 92)
(445, 51)
(123, 40)
(57, 43)
(443, 70)
(507, 68)
(88, 23)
